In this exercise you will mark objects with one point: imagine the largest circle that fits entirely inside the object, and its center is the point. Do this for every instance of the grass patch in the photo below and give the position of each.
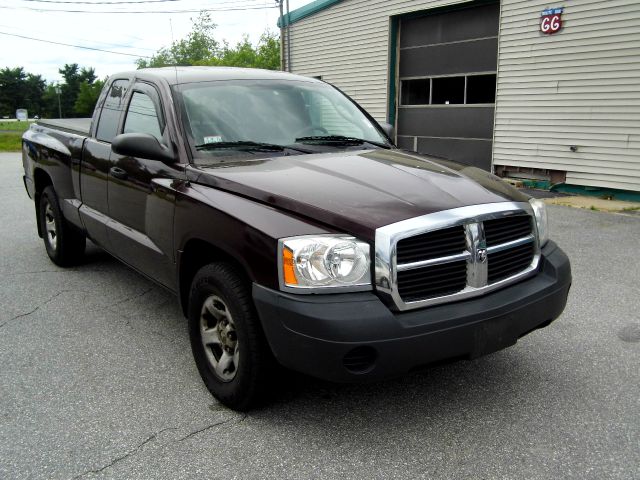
(11, 135)
(10, 142)
(15, 126)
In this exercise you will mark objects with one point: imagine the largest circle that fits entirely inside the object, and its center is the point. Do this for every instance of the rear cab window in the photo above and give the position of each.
(111, 110)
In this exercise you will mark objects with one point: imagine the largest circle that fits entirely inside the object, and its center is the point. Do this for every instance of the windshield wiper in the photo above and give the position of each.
(249, 145)
(338, 140)
(241, 144)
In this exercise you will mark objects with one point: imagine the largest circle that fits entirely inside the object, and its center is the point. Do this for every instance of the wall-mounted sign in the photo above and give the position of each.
(551, 20)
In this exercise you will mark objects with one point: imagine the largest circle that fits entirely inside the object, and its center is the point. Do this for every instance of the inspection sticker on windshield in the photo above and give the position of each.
(213, 139)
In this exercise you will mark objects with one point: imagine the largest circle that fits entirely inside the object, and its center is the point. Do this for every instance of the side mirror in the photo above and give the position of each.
(142, 145)
(388, 129)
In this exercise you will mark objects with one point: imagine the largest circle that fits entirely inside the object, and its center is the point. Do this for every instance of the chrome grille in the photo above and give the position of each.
(455, 254)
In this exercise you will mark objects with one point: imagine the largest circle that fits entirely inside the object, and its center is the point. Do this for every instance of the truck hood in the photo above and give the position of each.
(357, 191)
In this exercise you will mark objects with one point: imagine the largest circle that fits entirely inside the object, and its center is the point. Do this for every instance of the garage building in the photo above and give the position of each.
(481, 83)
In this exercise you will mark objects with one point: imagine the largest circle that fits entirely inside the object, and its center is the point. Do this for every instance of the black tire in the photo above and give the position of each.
(64, 244)
(235, 368)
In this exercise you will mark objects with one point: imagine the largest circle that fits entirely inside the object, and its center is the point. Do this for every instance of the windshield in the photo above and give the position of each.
(273, 112)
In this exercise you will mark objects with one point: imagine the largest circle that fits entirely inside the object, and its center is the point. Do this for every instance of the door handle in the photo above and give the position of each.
(118, 173)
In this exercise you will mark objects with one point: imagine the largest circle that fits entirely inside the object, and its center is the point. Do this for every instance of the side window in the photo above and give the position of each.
(113, 104)
(142, 116)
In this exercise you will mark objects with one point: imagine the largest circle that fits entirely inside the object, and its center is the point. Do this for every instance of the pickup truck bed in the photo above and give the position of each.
(78, 126)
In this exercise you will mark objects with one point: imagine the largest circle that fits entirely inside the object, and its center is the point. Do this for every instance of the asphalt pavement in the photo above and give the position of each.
(97, 381)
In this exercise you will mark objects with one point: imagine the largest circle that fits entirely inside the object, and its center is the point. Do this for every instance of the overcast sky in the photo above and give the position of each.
(131, 33)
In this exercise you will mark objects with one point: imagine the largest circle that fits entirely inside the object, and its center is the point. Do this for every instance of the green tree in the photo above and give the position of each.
(74, 76)
(70, 87)
(50, 102)
(34, 86)
(19, 89)
(268, 50)
(201, 48)
(12, 90)
(87, 97)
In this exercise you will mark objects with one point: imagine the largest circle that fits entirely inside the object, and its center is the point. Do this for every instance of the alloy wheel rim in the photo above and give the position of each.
(51, 227)
(219, 338)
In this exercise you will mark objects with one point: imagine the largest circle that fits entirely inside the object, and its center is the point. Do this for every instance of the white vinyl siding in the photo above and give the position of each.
(348, 45)
(580, 86)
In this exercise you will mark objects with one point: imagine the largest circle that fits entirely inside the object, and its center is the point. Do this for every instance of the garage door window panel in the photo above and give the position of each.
(448, 91)
(481, 89)
(416, 92)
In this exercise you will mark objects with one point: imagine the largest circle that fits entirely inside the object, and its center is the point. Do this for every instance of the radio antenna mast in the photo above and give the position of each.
(175, 67)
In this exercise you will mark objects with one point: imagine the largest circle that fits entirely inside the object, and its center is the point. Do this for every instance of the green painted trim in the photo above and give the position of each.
(393, 62)
(305, 11)
(612, 193)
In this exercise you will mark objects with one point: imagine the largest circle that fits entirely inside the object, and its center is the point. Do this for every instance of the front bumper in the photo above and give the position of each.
(354, 336)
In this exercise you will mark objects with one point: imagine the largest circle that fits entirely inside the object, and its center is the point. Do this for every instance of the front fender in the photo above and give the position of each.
(246, 230)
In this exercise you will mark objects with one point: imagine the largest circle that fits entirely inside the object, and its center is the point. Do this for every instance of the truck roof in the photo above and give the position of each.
(179, 75)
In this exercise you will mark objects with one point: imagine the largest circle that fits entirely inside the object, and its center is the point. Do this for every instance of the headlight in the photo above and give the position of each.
(540, 211)
(318, 264)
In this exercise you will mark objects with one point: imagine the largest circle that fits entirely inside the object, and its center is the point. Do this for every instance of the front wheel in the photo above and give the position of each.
(64, 244)
(227, 341)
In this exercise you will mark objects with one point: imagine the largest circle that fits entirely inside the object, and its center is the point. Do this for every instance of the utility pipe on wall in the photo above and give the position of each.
(282, 58)
(288, 39)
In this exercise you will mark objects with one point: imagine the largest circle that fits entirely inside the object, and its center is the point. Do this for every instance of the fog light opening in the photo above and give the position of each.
(360, 359)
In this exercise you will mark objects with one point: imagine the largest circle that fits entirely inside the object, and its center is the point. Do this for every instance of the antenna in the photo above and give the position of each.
(175, 67)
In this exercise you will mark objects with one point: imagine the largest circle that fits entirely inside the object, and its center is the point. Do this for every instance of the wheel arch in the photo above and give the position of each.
(197, 253)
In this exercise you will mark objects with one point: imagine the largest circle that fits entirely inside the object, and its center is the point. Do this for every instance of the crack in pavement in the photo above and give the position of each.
(128, 298)
(209, 427)
(128, 318)
(126, 455)
(150, 438)
(38, 307)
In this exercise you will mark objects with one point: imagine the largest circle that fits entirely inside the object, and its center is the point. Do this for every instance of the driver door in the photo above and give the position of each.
(141, 209)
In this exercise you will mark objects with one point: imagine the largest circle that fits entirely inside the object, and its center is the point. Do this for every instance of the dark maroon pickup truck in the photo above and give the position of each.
(291, 229)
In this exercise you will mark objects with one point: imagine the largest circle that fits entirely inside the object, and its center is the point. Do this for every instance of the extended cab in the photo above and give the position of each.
(291, 229)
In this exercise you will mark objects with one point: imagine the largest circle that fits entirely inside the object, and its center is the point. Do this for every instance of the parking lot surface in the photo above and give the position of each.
(97, 381)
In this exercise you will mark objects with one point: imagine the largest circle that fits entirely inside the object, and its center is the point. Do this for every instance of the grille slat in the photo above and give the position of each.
(503, 230)
(418, 272)
(426, 246)
(432, 281)
(507, 263)
(497, 262)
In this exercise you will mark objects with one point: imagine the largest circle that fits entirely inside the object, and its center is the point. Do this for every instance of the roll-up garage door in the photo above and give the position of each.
(447, 72)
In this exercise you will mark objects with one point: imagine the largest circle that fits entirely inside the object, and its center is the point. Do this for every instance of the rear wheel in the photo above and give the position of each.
(227, 341)
(64, 244)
